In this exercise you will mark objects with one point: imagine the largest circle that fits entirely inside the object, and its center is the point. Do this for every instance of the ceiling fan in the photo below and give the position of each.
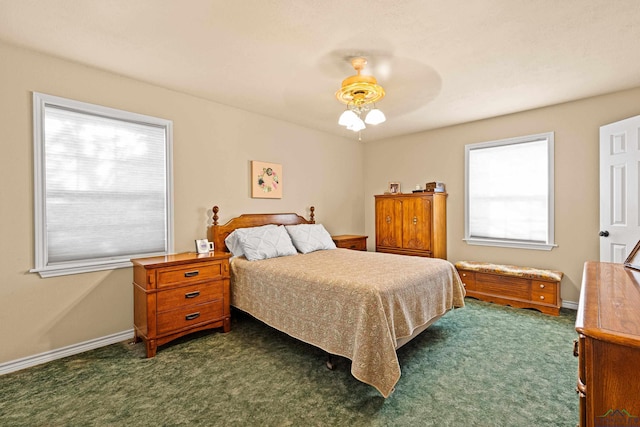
(360, 93)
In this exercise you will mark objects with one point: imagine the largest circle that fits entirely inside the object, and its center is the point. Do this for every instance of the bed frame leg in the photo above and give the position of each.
(331, 365)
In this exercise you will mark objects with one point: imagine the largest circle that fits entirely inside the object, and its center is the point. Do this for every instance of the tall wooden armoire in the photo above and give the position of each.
(412, 224)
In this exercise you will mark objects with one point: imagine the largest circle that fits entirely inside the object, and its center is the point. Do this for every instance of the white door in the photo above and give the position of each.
(619, 160)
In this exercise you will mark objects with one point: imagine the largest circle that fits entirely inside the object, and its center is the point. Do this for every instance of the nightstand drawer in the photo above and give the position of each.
(351, 241)
(356, 244)
(170, 321)
(189, 274)
(189, 295)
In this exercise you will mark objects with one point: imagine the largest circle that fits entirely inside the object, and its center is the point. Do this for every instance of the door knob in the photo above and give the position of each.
(604, 233)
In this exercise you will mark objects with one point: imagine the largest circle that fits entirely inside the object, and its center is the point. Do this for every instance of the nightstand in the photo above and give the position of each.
(351, 241)
(175, 295)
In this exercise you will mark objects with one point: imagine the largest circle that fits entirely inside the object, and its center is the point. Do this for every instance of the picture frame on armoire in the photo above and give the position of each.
(394, 188)
(633, 260)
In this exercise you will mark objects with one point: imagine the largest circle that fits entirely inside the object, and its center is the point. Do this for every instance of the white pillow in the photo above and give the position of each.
(233, 243)
(310, 237)
(265, 242)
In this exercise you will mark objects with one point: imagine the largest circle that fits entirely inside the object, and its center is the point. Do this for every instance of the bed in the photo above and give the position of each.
(359, 305)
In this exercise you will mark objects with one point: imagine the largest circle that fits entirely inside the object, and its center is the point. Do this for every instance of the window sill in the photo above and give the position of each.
(76, 268)
(510, 244)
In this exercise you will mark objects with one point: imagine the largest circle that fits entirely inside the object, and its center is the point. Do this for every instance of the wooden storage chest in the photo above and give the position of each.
(522, 287)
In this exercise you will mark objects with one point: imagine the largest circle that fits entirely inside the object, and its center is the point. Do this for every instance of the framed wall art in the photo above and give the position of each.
(266, 180)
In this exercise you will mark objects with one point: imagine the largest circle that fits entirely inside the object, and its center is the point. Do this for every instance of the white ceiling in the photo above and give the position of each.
(441, 62)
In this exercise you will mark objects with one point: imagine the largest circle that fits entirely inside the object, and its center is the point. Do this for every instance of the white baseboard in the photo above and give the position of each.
(570, 304)
(48, 356)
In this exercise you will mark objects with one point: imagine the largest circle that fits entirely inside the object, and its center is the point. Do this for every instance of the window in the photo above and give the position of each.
(103, 186)
(509, 192)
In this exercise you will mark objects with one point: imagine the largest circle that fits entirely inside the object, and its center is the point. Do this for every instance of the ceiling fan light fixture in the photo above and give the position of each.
(347, 118)
(357, 125)
(375, 117)
(360, 92)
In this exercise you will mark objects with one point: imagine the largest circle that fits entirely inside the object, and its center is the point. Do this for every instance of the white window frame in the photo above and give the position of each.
(521, 244)
(42, 266)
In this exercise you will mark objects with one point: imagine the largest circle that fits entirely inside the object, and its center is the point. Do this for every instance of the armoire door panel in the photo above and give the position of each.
(388, 223)
(416, 224)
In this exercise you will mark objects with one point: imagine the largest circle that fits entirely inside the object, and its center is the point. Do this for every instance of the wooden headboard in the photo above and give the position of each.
(217, 233)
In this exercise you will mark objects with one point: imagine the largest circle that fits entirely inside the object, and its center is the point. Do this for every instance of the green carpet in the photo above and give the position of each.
(482, 365)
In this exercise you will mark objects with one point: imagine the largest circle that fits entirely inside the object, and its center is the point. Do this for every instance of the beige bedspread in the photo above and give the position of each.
(349, 303)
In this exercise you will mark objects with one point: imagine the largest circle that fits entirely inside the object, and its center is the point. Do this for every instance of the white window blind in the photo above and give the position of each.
(103, 186)
(509, 192)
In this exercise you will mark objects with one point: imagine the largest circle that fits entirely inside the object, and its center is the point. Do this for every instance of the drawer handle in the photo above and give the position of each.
(192, 316)
(576, 352)
(415, 220)
(541, 296)
(388, 219)
(541, 286)
(192, 294)
(191, 273)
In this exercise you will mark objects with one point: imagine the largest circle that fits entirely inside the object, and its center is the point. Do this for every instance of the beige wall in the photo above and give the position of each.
(438, 155)
(213, 147)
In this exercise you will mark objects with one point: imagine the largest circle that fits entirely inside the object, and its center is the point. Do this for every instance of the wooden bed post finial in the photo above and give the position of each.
(215, 215)
(312, 215)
